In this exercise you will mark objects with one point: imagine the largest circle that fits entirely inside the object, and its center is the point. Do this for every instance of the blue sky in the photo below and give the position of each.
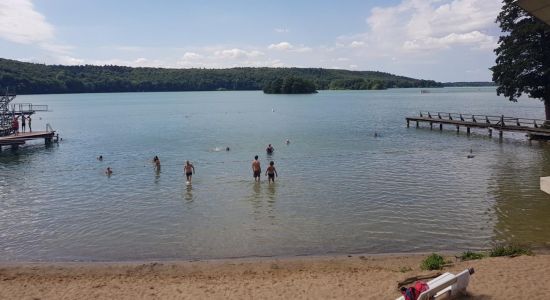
(444, 40)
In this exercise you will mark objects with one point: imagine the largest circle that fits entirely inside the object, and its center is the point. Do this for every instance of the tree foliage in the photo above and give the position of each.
(523, 55)
(31, 78)
(290, 85)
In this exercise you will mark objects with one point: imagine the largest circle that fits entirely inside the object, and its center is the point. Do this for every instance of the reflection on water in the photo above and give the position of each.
(521, 209)
(343, 189)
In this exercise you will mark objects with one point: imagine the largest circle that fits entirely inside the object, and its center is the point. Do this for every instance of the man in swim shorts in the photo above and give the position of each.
(189, 170)
(256, 169)
(271, 172)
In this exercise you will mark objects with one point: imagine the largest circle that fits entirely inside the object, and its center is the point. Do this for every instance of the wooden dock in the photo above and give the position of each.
(21, 138)
(533, 128)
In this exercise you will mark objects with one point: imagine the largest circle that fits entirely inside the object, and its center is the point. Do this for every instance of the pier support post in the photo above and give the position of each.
(500, 133)
(14, 147)
(416, 124)
(440, 126)
(431, 125)
(0, 148)
(468, 130)
(457, 129)
(407, 123)
(48, 141)
(490, 132)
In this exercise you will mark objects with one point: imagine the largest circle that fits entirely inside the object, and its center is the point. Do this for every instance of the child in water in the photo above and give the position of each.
(271, 172)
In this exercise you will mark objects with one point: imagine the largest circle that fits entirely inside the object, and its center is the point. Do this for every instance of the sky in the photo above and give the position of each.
(442, 40)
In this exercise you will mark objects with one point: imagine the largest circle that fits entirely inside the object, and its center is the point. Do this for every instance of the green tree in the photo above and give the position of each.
(523, 56)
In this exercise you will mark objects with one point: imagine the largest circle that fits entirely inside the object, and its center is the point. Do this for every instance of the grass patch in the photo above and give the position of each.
(509, 250)
(433, 262)
(405, 269)
(470, 255)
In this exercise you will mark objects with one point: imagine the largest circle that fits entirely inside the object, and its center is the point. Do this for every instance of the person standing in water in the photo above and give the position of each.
(156, 161)
(109, 171)
(271, 172)
(256, 169)
(189, 170)
(269, 149)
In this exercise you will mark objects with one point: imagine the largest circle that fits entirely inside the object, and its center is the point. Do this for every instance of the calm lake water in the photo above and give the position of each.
(339, 190)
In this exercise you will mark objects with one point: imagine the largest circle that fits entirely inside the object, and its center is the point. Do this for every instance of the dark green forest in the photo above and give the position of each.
(290, 85)
(31, 78)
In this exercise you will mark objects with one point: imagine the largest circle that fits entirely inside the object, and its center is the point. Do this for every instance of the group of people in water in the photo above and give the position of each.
(189, 169)
(24, 121)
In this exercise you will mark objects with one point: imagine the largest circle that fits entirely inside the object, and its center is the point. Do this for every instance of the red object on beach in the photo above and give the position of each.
(413, 292)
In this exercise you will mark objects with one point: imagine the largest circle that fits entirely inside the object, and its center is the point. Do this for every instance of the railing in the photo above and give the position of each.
(487, 119)
(27, 107)
(49, 127)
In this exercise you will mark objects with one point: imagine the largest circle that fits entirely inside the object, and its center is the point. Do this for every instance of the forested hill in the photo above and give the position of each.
(31, 78)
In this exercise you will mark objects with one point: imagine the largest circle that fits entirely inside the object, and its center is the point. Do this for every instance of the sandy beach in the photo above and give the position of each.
(342, 277)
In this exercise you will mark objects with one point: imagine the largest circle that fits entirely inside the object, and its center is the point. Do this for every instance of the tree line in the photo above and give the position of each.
(32, 78)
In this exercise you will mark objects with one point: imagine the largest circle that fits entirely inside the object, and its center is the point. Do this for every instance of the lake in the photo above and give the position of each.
(340, 189)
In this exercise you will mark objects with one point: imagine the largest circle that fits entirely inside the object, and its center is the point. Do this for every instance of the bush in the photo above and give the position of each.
(433, 262)
(509, 250)
(470, 255)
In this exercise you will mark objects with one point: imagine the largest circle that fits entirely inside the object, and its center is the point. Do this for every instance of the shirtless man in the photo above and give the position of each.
(256, 169)
(189, 170)
(271, 172)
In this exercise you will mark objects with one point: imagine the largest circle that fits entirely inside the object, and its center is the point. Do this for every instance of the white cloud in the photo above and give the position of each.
(356, 44)
(21, 23)
(432, 24)
(282, 46)
(191, 56)
(236, 53)
(286, 46)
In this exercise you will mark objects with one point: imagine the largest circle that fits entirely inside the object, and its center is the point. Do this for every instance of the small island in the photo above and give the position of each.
(290, 85)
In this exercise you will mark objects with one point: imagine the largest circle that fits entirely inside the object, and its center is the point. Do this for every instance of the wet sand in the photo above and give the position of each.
(342, 277)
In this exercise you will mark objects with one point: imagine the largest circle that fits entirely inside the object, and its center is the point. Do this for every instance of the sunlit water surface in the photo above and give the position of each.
(339, 190)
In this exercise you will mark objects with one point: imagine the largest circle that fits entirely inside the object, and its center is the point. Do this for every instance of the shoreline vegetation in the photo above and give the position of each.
(315, 277)
(32, 78)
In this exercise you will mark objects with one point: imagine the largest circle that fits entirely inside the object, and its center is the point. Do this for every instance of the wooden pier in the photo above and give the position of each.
(21, 138)
(10, 113)
(533, 128)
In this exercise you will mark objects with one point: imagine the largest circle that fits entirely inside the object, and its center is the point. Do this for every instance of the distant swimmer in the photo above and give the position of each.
(109, 171)
(470, 155)
(156, 161)
(287, 142)
(269, 149)
(100, 158)
(256, 169)
(189, 171)
(271, 173)
(376, 134)
(227, 148)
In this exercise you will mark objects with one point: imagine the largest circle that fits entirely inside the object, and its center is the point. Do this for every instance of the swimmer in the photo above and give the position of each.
(227, 149)
(189, 170)
(271, 172)
(376, 134)
(109, 171)
(287, 142)
(100, 158)
(256, 169)
(156, 161)
(269, 149)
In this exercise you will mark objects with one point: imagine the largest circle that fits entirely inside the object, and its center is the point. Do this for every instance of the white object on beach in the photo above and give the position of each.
(188, 183)
(446, 286)
(545, 184)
